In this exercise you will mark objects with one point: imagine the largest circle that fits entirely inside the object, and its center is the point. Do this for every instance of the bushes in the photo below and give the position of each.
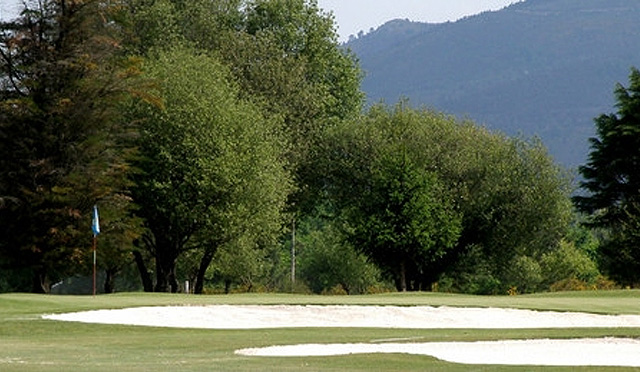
(330, 266)
(568, 262)
(566, 267)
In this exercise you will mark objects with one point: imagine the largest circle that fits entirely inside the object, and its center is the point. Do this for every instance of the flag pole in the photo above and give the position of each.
(95, 227)
(95, 239)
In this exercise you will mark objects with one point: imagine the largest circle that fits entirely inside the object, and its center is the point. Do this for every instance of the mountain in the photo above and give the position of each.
(541, 68)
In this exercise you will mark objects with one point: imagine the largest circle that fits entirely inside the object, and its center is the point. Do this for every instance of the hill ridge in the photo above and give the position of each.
(537, 67)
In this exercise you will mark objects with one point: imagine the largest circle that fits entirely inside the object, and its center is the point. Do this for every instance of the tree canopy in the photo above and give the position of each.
(398, 212)
(211, 166)
(421, 187)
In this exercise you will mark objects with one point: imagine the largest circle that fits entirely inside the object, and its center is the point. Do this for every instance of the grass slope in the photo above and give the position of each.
(28, 343)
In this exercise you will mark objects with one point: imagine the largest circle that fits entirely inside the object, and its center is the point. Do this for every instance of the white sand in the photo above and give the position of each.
(578, 352)
(583, 352)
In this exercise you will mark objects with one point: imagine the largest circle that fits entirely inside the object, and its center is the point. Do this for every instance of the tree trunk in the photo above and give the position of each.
(403, 277)
(110, 275)
(205, 261)
(162, 283)
(166, 272)
(173, 281)
(147, 283)
(39, 283)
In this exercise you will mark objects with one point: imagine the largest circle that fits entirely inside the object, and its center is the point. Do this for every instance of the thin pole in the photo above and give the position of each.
(293, 254)
(95, 238)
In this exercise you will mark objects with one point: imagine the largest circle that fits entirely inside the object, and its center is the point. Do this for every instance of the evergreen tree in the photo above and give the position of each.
(612, 182)
(60, 81)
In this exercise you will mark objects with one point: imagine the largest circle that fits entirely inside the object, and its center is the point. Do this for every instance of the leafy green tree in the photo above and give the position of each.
(514, 201)
(500, 203)
(612, 183)
(400, 214)
(285, 56)
(62, 77)
(568, 262)
(283, 53)
(239, 263)
(211, 169)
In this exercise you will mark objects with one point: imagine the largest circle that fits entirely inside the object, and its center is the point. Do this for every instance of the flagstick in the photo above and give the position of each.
(94, 264)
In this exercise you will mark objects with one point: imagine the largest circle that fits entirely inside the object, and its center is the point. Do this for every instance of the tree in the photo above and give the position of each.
(211, 170)
(486, 204)
(514, 200)
(284, 56)
(62, 77)
(612, 183)
(399, 213)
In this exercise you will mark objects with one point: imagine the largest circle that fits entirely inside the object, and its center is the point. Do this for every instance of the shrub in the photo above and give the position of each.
(525, 275)
(575, 284)
(337, 290)
(326, 263)
(568, 264)
(472, 274)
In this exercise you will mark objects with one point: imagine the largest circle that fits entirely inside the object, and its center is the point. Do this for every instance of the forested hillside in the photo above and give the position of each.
(539, 67)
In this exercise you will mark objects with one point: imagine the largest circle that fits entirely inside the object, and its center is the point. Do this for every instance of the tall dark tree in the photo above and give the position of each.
(612, 183)
(60, 82)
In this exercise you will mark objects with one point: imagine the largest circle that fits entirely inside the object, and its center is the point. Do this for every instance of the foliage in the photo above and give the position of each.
(472, 273)
(210, 165)
(601, 283)
(398, 212)
(288, 59)
(612, 184)
(568, 262)
(62, 78)
(326, 261)
(467, 192)
(282, 54)
(515, 205)
(239, 264)
(195, 124)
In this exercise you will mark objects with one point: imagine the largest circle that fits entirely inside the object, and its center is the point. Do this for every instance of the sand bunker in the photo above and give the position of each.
(421, 317)
(577, 352)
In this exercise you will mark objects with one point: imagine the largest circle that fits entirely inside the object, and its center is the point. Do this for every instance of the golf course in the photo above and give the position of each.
(31, 342)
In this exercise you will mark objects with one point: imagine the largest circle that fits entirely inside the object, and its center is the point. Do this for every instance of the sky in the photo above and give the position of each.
(353, 16)
(9, 9)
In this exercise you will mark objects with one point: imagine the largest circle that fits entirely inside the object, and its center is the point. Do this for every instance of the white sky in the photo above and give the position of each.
(355, 15)
(9, 9)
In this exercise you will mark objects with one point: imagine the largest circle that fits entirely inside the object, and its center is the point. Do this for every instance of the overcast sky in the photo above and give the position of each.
(355, 15)
(9, 8)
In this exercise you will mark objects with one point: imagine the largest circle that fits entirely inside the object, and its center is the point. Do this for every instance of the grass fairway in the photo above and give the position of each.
(29, 343)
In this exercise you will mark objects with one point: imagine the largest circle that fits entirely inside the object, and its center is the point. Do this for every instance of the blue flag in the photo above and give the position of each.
(95, 223)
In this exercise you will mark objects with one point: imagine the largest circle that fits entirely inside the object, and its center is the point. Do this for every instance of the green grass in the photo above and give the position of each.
(29, 343)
